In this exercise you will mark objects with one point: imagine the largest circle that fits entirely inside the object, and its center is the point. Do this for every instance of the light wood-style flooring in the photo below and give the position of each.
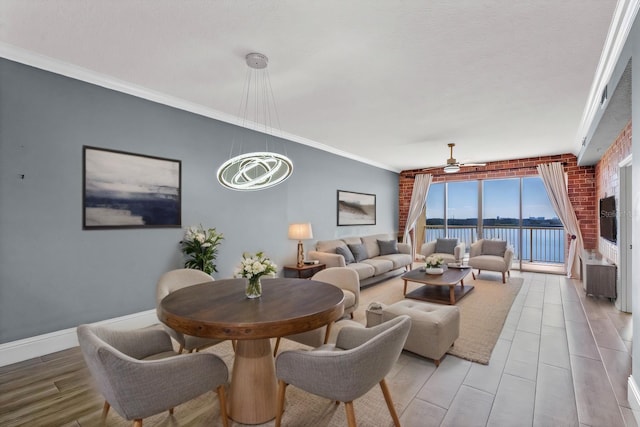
(562, 359)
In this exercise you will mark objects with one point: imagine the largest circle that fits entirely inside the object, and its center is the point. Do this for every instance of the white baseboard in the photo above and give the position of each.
(633, 396)
(28, 348)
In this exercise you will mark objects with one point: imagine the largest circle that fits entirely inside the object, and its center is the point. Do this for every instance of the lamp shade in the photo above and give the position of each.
(300, 231)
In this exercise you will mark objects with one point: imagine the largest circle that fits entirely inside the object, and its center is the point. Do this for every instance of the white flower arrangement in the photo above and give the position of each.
(255, 266)
(434, 261)
(200, 246)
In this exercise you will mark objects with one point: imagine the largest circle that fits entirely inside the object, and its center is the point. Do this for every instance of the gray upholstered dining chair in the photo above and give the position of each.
(340, 277)
(170, 282)
(345, 279)
(360, 359)
(140, 375)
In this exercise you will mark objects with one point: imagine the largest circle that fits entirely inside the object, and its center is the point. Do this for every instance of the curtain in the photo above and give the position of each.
(418, 199)
(554, 180)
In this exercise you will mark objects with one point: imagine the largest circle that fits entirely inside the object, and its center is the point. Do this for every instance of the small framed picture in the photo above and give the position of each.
(356, 208)
(127, 190)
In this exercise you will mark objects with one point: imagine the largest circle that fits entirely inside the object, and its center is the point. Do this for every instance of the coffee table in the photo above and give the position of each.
(435, 289)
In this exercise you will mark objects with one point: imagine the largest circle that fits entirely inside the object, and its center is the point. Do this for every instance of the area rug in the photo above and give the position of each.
(482, 316)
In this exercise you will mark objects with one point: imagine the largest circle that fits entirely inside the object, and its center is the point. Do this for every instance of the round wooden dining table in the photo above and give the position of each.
(220, 309)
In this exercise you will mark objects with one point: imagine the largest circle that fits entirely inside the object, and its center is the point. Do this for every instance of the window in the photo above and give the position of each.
(501, 211)
(517, 210)
(462, 210)
(543, 237)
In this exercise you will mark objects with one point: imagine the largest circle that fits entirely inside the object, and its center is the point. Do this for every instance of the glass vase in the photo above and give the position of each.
(253, 288)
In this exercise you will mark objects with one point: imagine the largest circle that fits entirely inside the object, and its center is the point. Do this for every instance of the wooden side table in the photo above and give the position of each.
(304, 272)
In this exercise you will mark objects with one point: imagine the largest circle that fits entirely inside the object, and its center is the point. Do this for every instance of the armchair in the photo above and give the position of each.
(492, 255)
(140, 375)
(347, 370)
(450, 250)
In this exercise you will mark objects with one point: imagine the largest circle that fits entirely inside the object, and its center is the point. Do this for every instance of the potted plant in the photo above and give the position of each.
(200, 246)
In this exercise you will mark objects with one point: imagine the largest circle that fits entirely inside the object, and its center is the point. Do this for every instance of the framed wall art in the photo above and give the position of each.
(356, 208)
(127, 190)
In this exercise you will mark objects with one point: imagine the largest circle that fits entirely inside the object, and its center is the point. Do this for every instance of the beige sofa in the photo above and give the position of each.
(375, 257)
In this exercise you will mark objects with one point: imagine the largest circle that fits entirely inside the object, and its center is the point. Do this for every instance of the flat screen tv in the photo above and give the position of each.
(608, 218)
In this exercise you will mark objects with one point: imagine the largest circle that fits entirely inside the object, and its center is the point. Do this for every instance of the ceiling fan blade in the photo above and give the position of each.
(473, 164)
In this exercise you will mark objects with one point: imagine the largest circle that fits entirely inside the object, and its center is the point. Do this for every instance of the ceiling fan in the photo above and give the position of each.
(452, 165)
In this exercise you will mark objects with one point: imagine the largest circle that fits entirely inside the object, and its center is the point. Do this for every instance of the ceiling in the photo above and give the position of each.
(388, 82)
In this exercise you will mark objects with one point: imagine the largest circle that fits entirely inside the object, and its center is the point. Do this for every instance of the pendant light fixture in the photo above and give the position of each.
(264, 169)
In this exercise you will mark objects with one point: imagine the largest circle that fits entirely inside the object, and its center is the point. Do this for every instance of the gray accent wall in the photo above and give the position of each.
(54, 275)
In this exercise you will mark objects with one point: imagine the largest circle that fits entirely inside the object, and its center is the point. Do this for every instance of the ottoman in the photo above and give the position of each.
(434, 327)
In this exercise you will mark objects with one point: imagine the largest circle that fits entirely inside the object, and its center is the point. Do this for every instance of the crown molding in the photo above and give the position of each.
(47, 63)
(621, 24)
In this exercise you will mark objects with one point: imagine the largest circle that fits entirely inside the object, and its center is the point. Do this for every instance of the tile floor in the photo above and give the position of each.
(547, 369)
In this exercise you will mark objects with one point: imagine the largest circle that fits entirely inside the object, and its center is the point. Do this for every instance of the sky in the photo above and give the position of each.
(501, 199)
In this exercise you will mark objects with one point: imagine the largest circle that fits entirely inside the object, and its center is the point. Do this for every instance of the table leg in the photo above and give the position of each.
(252, 395)
(452, 295)
(405, 288)
(327, 332)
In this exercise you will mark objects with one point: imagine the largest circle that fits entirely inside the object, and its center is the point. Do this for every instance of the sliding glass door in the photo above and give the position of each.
(515, 209)
(501, 211)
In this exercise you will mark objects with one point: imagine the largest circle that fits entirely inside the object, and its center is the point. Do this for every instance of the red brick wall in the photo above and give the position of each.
(581, 180)
(608, 183)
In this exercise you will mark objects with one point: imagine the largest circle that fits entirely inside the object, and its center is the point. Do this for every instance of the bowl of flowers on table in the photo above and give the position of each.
(434, 265)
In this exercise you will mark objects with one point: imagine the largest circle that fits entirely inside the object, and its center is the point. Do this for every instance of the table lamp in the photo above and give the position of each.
(300, 232)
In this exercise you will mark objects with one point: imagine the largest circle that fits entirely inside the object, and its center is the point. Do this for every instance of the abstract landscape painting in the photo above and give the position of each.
(126, 190)
(356, 208)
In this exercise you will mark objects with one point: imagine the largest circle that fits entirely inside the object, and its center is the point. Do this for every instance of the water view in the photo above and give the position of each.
(517, 210)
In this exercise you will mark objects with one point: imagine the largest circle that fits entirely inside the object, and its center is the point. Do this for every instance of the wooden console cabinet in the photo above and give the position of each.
(598, 276)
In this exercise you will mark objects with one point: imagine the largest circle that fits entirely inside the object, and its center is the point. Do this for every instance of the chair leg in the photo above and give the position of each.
(275, 347)
(351, 415)
(171, 411)
(137, 422)
(387, 398)
(282, 388)
(222, 398)
(503, 278)
(105, 409)
(351, 315)
(472, 275)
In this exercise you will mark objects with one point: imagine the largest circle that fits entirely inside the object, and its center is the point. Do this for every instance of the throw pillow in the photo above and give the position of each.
(446, 246)
(388, 247)
(346, 253)
(494, 247)
(359, 252)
